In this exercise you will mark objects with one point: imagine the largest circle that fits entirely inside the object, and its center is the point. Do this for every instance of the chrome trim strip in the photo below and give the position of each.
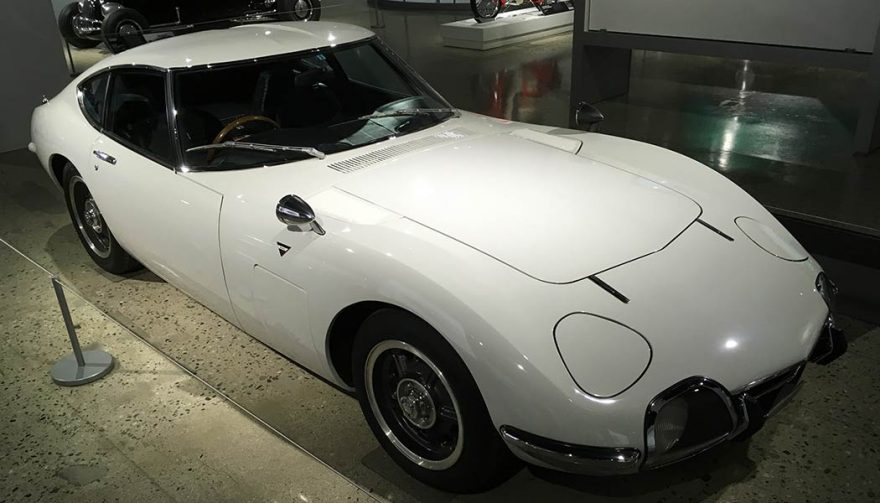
(572, 458)
(608, 288)
(715, 229)
(762, 380)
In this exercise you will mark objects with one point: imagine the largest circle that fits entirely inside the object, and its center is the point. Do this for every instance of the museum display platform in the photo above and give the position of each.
(507, 29)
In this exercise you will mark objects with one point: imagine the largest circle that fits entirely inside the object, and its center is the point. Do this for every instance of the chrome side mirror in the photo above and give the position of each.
(293, 211)
(588, 117)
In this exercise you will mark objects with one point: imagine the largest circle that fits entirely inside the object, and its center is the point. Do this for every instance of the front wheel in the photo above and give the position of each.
(424, 407)
(92, 230)
(65, 26)
(301, 10)
(123, 29)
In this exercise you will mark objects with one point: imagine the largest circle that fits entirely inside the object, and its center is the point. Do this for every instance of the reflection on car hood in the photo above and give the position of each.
(546, 212)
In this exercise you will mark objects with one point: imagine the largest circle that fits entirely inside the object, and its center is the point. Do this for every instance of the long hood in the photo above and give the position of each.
(546, 212)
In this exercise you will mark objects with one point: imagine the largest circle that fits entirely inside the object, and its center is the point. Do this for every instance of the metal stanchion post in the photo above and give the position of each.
(80, 367)
(70, 59)
(378, 21)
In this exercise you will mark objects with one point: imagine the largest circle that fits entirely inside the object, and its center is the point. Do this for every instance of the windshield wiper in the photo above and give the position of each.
(260, 147)
(410, 111)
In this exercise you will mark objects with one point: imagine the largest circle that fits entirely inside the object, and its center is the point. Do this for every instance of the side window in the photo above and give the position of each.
(137, 116)
(93, 94)
(363, 64)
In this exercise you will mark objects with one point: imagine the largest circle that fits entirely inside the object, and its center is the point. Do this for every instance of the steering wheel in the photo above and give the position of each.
(232, 126)
(240, 122)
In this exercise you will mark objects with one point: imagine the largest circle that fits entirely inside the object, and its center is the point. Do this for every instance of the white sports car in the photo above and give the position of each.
(490, 290)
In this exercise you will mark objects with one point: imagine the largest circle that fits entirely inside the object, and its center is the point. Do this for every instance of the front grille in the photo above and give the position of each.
(763, 398)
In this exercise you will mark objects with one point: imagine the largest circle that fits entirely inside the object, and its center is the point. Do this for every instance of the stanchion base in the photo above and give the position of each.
(68, 373)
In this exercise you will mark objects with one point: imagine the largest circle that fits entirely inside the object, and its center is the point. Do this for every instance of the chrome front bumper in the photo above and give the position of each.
(571, 458)
(748, 407)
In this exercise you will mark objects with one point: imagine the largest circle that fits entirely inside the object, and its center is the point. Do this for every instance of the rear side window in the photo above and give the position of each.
(93, 97)
(136, 114)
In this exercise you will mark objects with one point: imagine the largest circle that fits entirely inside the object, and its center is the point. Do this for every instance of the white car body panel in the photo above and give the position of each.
(168, 222)
(444, 230)
(534, 189)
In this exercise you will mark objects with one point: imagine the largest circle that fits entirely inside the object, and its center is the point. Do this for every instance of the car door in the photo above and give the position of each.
(165, 220)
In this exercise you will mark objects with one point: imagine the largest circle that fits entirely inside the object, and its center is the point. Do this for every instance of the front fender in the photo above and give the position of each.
(499, 321)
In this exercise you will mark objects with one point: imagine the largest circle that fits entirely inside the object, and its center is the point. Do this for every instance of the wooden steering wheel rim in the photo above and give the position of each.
(238, 122)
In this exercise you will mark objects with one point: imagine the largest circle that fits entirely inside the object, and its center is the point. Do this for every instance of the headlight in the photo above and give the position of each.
(689, 417)
(669, 425)
(604, 357)
(779, 244)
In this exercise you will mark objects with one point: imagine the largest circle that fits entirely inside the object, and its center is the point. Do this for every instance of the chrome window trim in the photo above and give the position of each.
(82, 106)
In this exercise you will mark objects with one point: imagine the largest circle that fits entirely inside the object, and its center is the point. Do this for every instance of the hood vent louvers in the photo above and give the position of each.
(377, 156)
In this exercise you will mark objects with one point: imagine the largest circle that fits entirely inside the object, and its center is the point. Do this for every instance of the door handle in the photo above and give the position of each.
(105, 157)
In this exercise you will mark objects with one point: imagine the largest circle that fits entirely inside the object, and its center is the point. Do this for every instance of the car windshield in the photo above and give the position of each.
(299, 106)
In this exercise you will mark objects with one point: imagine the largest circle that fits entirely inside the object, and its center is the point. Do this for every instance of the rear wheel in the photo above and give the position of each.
(301, 10)
(123, 29)
(65, 26)
(91, 228)
(424, 407)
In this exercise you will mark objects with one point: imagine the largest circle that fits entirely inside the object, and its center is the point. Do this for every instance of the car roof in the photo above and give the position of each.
(237, 44)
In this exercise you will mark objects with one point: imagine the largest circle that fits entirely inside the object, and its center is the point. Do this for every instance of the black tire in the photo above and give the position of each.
(65, 26)
(485, 10)
(300, 10)
(123, 29)
(440, 432)
(99, 243)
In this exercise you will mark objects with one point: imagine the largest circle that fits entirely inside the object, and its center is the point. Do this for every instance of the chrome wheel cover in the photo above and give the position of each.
(487, 9)
(302, 9)
(417, 396)
(88, 219)
(128, 28)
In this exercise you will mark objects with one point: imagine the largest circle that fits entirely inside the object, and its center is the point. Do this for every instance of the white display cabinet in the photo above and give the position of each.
(827, 33)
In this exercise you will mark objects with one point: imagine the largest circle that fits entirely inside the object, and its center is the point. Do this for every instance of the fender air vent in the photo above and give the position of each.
(362, 161)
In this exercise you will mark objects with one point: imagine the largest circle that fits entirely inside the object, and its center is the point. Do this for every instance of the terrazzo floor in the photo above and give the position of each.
(148, 431)
(822, 447)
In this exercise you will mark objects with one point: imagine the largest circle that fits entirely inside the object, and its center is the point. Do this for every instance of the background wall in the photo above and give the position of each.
(57, 5)
(34, 66)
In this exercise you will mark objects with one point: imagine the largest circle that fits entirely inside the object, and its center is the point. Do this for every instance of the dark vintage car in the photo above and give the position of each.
(121, 24)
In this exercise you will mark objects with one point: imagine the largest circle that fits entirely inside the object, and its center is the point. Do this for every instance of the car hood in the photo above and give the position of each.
(544, 211)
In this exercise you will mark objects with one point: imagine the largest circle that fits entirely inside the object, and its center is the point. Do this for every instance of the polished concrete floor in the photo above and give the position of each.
(822, 447)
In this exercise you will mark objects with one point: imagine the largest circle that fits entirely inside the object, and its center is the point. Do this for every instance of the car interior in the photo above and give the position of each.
(300, 101)
(137, 112)
(315, 100)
